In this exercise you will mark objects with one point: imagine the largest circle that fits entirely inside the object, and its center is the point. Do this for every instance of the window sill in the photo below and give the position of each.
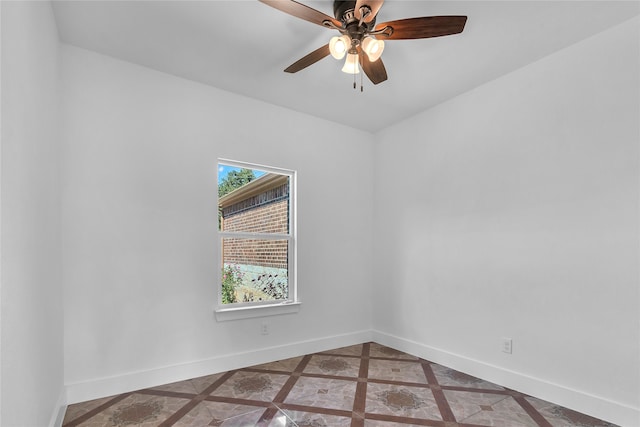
(236, 313)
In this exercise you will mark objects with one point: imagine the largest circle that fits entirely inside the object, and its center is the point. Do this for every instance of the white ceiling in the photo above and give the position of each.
(242, 46)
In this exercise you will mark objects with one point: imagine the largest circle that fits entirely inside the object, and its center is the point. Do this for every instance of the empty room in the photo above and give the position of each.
(314, 213)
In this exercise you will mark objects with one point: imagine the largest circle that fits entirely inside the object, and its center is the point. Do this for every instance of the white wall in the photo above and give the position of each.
(139, 225)
(512, 211)
(32, 320)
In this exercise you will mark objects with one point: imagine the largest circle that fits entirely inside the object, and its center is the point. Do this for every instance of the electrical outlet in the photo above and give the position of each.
(264, 328)
(507, 345)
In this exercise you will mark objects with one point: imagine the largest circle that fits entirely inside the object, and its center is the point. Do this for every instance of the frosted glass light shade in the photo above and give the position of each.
(373, 48)
(338, 46)
(351, 64)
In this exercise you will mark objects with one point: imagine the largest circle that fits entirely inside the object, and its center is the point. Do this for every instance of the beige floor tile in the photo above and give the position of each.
(308, 419)
(378, 350)
(402, 371)
(75, 411)
(323, 393)
(559, 416)
(139, 410)
(252, 385)
(451, 377)
(402, 401)
(333, 365)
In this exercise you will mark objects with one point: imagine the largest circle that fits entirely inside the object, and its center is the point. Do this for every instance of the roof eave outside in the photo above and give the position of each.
(255, 187)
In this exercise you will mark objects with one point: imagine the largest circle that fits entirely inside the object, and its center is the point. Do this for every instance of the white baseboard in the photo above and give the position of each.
(103, 387)
(61, 407)
(596, 406)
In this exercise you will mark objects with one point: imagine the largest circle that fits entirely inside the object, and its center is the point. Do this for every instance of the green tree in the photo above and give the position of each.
(235, 179)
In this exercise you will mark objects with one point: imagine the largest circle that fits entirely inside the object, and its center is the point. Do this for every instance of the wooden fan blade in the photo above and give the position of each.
(374, 70)
(310, 59)
(374, 5)
(301, 11)
(422, 28)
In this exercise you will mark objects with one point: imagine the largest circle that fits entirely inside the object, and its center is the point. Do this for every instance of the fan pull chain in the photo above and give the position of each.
(354, 83)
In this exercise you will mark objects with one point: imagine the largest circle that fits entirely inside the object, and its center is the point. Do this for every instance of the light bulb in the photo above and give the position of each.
(338, 46)
(373, 48)
(351, 64)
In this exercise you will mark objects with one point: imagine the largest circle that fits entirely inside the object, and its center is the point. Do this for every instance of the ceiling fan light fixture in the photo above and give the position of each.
(373, 48)
(351, 64)
(338, 46)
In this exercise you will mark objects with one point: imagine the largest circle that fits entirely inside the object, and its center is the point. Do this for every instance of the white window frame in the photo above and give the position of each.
(241, 310)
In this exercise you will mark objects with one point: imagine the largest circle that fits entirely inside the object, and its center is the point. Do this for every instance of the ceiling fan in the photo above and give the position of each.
(361, 39)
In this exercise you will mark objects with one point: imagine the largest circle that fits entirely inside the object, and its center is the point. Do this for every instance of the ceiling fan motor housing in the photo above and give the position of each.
(340, 7)
(344, 11)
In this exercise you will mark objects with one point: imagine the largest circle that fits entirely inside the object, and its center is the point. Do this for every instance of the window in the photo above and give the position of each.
(256, 222)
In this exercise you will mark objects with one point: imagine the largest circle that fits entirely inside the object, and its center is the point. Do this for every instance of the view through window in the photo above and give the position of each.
(255, 212)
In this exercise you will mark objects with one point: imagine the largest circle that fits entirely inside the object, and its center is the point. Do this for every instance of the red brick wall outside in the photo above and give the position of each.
(269, 218)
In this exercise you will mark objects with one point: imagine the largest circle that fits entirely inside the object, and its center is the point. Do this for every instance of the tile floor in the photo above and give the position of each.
(366, 385)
